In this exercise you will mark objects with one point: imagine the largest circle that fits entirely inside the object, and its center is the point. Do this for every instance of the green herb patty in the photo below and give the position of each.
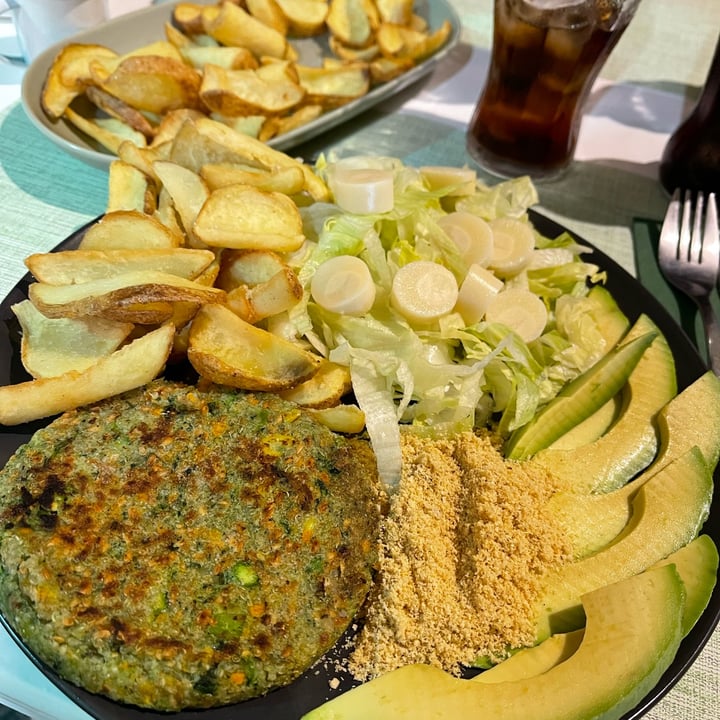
(175, 548)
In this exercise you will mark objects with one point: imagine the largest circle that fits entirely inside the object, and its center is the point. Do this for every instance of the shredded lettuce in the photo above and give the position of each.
(446, 377)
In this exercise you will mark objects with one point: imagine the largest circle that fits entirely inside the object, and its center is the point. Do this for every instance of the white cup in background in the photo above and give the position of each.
(41, 23)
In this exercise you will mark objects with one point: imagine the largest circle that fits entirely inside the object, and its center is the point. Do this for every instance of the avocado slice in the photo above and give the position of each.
(629, 446)
(579, 399)
(534, 660)
(633, 633)
(697, 564)
(691, 418)
(667, 513)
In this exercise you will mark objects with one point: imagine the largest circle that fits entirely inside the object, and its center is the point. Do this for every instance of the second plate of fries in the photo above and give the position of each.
(252, 65)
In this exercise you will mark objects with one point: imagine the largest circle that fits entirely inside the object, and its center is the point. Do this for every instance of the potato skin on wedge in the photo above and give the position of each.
(227, 350)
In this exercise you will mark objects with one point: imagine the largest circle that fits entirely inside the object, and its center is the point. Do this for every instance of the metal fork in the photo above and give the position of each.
(689, 257)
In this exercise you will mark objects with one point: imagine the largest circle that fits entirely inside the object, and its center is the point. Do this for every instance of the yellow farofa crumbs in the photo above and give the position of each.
(463, 546)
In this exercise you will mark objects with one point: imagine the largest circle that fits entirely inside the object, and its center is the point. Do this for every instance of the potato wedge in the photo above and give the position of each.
(304, 18)
(333, 86)
(247, 125)
(140, 158)
(268, 90)
(125, 229)
(352, 54)
(116, 108)
(231, 25)
(154, 83)
(172, 123)
(324, 389)
(349, 22)
(289, 180)
(398, 12)
(108, 132)
(383, 69)
(69, 76)
(53, 346)
(187, 190)
(227, 350)
(295, 119)
(78, 266)
(242, 148)
(130, 189)
(229, 58)
(131, 366)
(269, 13)
(188, 17)
(100, 296)
(349, 419)
(405, 42)
(241, 216)
(247, 267)
(276, 295)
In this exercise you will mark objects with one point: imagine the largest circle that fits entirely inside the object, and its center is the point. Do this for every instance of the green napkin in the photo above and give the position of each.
(646, 234)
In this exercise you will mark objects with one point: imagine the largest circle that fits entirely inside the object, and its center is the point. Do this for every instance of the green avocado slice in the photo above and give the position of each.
(691, 418)
(578, 399)
(634, 628)
(667, 513)
(629, 446)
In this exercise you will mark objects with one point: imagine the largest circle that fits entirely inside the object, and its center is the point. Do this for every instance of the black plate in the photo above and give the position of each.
(313, 688)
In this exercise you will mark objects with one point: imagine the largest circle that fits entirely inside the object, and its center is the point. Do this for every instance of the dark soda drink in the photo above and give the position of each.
(546, 55)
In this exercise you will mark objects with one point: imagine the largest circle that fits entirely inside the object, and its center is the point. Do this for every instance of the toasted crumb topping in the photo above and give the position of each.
(463, 547)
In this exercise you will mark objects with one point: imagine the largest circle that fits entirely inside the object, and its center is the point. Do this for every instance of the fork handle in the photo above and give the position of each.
(712, 334)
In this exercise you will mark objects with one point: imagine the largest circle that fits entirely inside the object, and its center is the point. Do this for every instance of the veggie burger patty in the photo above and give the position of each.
(174, 548)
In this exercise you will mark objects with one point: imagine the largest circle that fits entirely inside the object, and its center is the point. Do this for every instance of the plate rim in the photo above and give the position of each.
(691, 646)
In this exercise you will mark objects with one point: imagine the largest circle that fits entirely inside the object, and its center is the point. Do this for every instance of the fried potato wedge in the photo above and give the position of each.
(141, 158)
(398, 12)
(172, 123)
(241, 216)
(227, 350)
(53, 346)
(118, 109)
(383, 69)
(189, 17)
(230, 25)
(297, 118)
(267, 90)
(349, 22)
(333, 86)
(108, 132)
(242, 148)
(269, 13)
(133, 365)
(289, 180)
(229, 58)
(130, 189)
(70, 267)
(324, 389)
(304, 18)
(276, 295)
(154, 83)
(187, 190)
(101, 296)
(352, 54)
(124, 229)
(406, 42)
(349, 419)
(247, 267)
(69, 76)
